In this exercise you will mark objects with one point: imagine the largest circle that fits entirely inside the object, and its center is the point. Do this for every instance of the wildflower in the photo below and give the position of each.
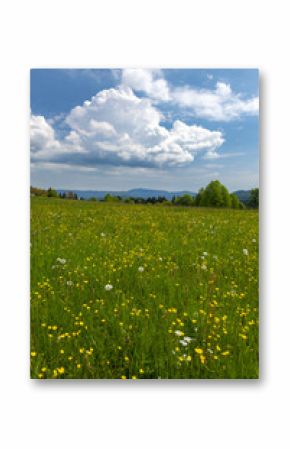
(225, 353)
(141, 371)
(61, 261)
(245, 252)
(203, 267)
(202, 359)
(123, 377)
(183, 343)
(60, 370)
(33, 354)
(108, 287)
(69, 283)
(198, 350)
(205, 253)
(103, 234)
(254, 240)
(141, 269)
(244, 337)
(134, 377)
(179, 333)
(187, 339)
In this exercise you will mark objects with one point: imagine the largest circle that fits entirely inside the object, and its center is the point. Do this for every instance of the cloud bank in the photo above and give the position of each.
(117, 127)
(122, 126)
(220, 104)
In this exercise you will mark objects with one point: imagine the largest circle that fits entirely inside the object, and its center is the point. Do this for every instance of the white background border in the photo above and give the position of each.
(148, 414)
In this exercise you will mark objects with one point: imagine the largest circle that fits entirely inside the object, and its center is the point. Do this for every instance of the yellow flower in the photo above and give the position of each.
(198, 350)
(225, 353)
(202, 359)
(141, 371)
(33, 354)
(60, 370)
(78, 366)
(134, 377)
(123, 377)
(244, 337)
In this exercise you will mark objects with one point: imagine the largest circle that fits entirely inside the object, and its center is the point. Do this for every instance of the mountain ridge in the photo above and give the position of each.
(142, 192)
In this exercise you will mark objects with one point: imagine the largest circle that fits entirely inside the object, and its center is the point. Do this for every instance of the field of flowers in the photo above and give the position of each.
(140, 292)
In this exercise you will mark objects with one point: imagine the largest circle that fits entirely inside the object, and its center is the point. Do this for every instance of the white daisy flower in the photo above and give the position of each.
(108, 287)
(141, 269)
(187, 339)
(245, 252)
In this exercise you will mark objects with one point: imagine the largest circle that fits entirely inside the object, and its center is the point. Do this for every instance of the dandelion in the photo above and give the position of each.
(141, 269)
(245, 252)
(198, 350)
(33, 354)
(123, 377)
(243, 336)
(108, 287)
(202, 359)
(141, 371)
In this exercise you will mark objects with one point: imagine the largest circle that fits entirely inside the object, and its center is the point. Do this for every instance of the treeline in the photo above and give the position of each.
(214, 194)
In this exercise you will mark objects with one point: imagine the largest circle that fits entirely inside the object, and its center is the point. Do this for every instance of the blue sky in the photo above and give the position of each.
(174, 129)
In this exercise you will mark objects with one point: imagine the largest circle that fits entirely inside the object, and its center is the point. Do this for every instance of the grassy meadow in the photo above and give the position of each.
(140, 292)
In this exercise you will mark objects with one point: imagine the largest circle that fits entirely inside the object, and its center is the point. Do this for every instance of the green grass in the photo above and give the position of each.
(80, 330)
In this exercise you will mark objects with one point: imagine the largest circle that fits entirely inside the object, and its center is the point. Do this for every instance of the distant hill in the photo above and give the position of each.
(243, 195)
(134, 193)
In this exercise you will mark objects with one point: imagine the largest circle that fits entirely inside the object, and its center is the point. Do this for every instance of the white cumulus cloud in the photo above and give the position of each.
(148, 81)
(116, 127)
(219, 104)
